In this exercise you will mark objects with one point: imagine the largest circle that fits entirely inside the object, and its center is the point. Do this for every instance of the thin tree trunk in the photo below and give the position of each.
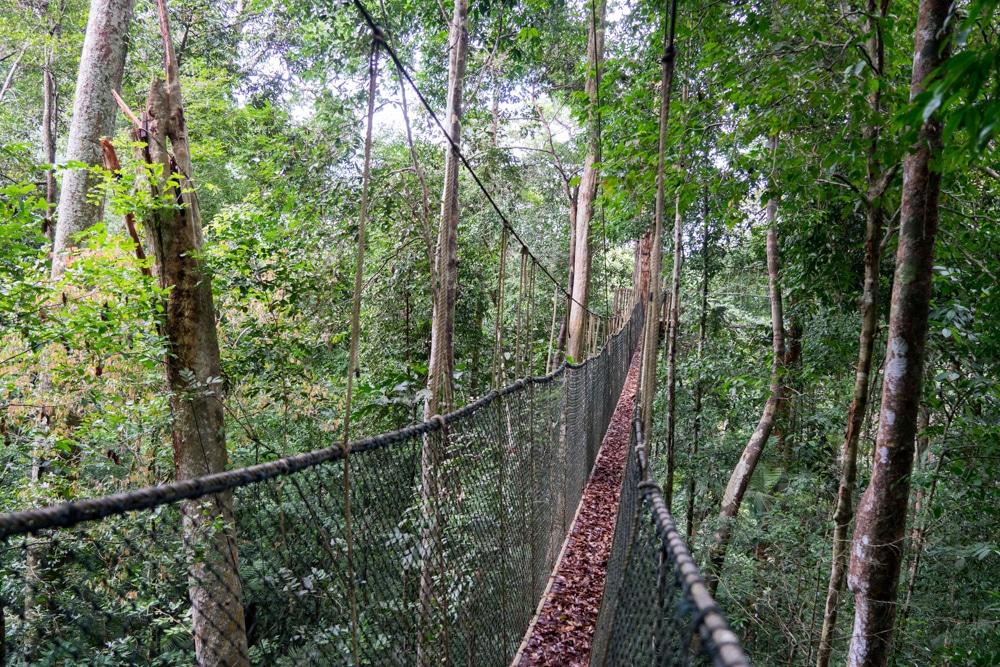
(550, 357)
(651, 332)
(874, 218)
(425, 199)
(576, 334)
(699, 388)
(784, 422)
(194, 372)
(352, 359)
(439, 373)
(8, 80)
(740, 478)
(564, 327)
(102, 64)
(673, 323)
(49, 135)
(876, 555)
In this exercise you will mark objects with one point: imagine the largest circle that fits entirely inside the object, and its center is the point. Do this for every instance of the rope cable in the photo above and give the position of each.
(404, 72)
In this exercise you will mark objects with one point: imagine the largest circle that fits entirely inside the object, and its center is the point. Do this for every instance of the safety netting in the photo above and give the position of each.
(428, 545)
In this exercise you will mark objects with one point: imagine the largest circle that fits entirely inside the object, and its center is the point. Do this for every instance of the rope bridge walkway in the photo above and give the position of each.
(428, 545)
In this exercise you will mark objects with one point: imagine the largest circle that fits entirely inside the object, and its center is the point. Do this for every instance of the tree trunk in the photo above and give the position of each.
(672, 324)
(699, 388)
(873, 574)
(785, 420)
(194, 373)
(439, 373)
(353, 368)
(576, 334)
(740, 479)
(102, 64)
(651, 332)
(874, 218)
(49, 134)
(425, 197)
(8, 80)
(564, 327)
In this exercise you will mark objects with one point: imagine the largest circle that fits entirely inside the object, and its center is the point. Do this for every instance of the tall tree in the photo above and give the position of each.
(877, 551)
(102, 64)
(739, 481)
(580, 233)
(442, 353)
(651, 333)
(193, 368)
(877, 182)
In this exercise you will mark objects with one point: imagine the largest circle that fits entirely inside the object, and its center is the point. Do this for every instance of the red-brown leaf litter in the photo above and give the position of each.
(563, 632)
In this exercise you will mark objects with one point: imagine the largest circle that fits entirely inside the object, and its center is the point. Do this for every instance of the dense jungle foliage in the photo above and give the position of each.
(275, 96)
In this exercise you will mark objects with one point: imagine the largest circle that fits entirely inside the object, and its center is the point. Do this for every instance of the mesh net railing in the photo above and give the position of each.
(656, 608)
(429, 545)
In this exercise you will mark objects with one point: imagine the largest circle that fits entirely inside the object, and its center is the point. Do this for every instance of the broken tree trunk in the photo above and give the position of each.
(877, 552)
(193, 370)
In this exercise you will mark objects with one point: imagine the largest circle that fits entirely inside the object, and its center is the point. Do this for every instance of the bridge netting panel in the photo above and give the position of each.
(454, 527)
(656, 608)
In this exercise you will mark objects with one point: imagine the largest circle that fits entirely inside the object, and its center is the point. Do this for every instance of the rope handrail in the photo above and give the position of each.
(127, 579)
(71, 513)
(680, 619)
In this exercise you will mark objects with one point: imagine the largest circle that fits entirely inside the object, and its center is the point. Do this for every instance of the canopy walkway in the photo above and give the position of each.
(275, 577)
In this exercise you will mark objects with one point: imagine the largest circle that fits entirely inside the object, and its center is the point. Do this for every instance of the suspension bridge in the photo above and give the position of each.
(462, 540)
(334, 558)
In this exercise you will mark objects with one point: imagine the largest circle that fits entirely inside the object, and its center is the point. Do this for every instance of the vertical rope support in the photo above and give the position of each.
(552, 330)
(352, 363)
(521, 314)
(498, 322)
(529, 325)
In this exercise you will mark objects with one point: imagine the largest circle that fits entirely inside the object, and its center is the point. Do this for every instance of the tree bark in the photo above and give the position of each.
(442, 353)
(874, 218)
(785, 420)
(740, 478)
(876, 556)
(576, 333)
(651, 332)
(193, 371)
(673, 323)
(49, 134)
(102, 64)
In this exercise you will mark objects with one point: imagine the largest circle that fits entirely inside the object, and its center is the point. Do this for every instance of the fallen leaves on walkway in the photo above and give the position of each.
(564, 630)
